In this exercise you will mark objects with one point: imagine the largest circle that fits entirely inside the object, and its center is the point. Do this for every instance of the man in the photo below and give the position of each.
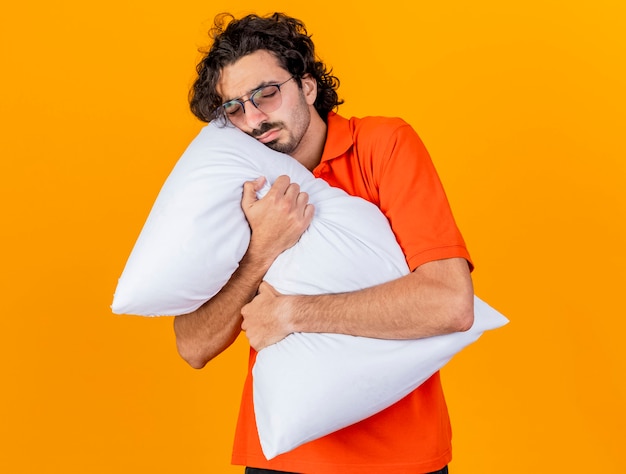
(262, 75)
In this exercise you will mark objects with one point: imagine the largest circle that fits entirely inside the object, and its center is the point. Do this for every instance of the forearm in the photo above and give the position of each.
(205, 333)
(277, 221)
(435, 299)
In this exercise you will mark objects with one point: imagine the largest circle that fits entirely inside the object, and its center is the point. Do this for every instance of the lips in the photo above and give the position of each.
(269, 136)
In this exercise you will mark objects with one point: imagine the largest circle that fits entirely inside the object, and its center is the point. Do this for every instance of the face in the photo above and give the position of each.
(284, 129)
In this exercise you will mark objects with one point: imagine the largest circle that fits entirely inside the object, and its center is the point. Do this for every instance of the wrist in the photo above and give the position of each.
(258, 258)
(293, 310)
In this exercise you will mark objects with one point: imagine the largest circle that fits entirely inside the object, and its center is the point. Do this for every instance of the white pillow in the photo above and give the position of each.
(196, 232)
(192, 242)
(310, 385)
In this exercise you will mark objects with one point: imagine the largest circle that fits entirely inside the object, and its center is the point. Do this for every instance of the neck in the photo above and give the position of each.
(309, 153)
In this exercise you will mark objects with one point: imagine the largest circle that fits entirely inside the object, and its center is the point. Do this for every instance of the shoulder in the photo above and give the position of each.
(377, 132)
(369, 130)
(378, 126)
(385, 137)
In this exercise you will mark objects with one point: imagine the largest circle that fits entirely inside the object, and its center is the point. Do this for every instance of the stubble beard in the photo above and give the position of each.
(294, 135)
(265, 127)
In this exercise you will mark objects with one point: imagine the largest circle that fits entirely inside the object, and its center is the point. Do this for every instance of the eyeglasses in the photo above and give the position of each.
(267, 99)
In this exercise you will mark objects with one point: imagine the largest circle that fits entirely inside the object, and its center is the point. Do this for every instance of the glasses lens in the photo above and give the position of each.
(267, 99)
(232, 108)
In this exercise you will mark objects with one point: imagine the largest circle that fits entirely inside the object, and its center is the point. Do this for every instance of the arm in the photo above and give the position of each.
(277, 221)
(436, 298)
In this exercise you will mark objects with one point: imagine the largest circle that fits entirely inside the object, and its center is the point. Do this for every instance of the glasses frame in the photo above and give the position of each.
(221, 110)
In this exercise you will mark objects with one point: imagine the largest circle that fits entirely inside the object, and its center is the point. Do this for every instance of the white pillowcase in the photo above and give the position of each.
(196, 232)
(192, 242)
(310, 385)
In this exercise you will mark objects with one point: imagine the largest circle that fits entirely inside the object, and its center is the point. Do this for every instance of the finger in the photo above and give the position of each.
(309, 212)
(265, 286)
(292, 192)
(250, 188)
(281, 184)
(302, 200)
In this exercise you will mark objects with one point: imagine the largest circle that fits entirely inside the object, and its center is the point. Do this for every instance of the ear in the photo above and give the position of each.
(309, 88)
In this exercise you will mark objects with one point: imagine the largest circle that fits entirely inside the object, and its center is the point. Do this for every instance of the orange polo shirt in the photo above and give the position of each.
(384, 161)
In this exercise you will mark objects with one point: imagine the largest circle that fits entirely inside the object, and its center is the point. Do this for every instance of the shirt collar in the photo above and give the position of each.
(338, 137)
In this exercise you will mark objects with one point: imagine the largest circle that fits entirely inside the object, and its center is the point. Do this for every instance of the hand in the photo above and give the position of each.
(279, 219)
(264, 318)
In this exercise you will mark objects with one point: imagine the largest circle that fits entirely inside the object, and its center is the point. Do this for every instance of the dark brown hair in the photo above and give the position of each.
(281, 35)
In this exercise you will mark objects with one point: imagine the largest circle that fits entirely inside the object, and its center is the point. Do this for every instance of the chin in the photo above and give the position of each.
(281, 147)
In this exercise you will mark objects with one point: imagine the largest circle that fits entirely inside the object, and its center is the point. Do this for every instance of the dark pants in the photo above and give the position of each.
(253, 470)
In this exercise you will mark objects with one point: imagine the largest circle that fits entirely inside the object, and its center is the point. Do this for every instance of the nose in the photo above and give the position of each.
(254, 116)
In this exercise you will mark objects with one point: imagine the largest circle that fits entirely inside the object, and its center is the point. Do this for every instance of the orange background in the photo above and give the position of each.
(522, 106)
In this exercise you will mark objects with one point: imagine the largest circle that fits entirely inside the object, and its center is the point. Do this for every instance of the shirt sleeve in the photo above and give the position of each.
(411, 195)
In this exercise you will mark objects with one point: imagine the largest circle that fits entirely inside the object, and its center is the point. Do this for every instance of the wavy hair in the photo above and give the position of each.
(281, 35)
